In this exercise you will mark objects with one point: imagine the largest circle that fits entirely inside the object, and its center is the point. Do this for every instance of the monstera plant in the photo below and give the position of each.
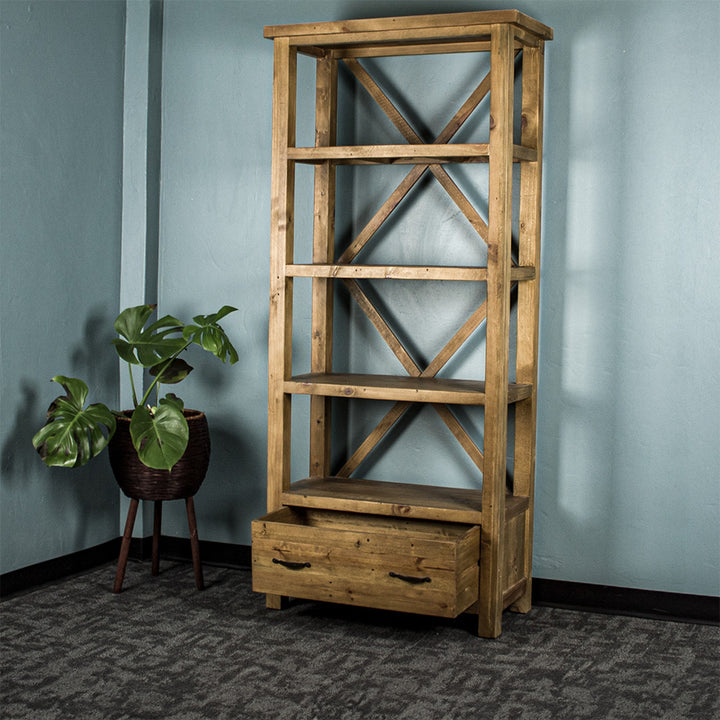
(75, 433)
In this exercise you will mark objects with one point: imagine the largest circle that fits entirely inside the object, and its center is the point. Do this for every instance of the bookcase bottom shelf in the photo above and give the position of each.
(425, 502)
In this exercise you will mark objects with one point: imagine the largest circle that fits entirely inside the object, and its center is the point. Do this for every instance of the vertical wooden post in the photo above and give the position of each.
(498, 326)
(323, 252)
(281, 230)
(529, 297)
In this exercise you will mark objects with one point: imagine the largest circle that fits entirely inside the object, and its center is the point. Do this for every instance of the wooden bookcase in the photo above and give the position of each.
(393, 545)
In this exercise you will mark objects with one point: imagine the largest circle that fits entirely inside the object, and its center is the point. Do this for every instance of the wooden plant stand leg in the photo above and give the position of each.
(125, 545)
(194, 543)
(157, 522)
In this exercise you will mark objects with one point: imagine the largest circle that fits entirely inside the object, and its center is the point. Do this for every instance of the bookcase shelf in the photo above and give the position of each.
(402, 272)
(420, 154)
(399, 388)
(424, 502)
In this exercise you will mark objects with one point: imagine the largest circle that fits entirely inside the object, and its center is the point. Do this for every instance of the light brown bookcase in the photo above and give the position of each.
(416, 548)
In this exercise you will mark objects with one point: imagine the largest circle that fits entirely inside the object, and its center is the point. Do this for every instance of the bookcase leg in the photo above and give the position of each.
(489, 617)
(524, 603)
(490, 599)
(276, 602)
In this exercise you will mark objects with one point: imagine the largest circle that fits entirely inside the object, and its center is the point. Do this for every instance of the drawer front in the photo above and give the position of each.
(392, 564)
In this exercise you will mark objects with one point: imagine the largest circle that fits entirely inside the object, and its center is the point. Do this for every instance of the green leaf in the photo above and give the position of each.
(174, 400)
(73, 435)
(161, 436)
(147, 346)
(210, 336)
(171, 372)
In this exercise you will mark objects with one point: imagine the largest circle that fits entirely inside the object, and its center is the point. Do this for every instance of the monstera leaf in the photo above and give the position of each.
(160, 435)
(147, 346)
(73, 435)
(171, 371)
(210, 336)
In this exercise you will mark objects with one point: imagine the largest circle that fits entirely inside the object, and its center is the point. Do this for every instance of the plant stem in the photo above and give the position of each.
(154, 383)
(132, 385)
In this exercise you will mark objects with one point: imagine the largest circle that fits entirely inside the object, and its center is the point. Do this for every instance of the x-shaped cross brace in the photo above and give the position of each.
(471, 324)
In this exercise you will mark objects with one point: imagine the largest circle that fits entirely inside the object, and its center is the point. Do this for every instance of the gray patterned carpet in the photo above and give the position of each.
(161, 650)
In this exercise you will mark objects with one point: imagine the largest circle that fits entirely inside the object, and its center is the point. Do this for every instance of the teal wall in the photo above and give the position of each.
(60, 198)
(628, 458)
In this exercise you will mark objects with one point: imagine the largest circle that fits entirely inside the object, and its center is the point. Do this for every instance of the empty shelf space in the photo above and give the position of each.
(398, 388)
(402, 272)
(427, 502)
(422, 154)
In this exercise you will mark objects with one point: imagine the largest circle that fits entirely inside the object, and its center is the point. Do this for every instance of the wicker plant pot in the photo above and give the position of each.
(143, 483)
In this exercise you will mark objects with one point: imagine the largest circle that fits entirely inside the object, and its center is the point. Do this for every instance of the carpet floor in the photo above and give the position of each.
(161, 650)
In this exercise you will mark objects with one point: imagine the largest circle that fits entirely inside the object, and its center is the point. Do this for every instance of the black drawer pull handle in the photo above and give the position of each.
(291, 565)
(409, 578)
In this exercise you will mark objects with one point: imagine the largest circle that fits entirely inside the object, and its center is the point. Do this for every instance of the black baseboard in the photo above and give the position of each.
(58, 568)
(171, 548)
(211, 553)
(678, 607)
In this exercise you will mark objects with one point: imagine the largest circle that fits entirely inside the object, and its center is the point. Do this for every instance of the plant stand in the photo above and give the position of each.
(157, 521)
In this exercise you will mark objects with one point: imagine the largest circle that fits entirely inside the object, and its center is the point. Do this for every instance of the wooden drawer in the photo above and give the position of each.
(383, 562)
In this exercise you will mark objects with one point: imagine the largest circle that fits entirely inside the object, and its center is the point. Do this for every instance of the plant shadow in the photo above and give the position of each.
(86, 498)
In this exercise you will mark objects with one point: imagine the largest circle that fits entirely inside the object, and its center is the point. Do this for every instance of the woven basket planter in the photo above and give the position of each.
(143, 483)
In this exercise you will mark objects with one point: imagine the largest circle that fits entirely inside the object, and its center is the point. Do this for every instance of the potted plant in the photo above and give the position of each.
(158, 444)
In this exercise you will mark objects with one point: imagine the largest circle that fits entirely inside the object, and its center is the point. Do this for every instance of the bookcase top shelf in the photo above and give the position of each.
(444, 27)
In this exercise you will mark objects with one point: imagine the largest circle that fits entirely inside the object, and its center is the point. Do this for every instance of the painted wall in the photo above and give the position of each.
(628, 457)
(627, 471)
(60, 198)
(627, 466)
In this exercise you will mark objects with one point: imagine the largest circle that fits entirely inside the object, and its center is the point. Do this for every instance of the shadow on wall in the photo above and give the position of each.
(19, 458)
(94, 360)
(233, 490)
(582, 262)
(236, 481)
